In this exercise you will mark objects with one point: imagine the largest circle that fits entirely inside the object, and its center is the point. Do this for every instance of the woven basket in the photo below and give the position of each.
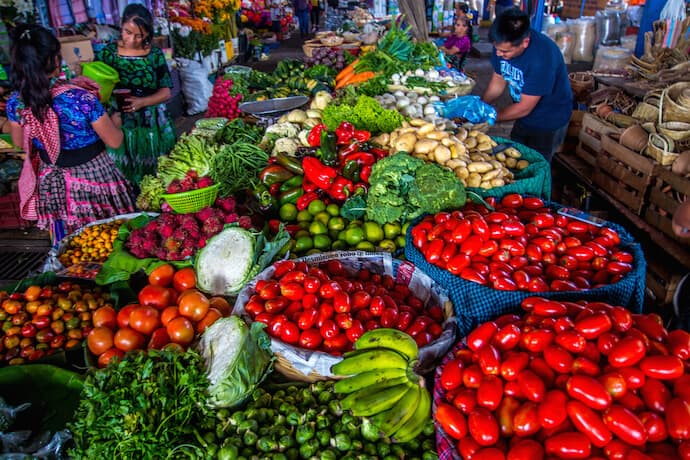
(676, 130)
(661, 148)
(582, 83)
(193, 200)
(635, 138)
(646, 112)
(673, 107)
(332, 40)
(621, 120)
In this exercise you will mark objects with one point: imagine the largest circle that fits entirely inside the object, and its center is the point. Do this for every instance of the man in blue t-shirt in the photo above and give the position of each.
(532, 67)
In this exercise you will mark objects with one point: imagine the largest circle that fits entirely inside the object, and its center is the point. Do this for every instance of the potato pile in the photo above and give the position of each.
(466, 152)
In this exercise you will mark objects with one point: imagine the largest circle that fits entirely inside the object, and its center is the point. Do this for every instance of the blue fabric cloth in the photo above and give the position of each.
(303, 18)
(539, 71)
(650, 13)
(475, 303)
(76, 109)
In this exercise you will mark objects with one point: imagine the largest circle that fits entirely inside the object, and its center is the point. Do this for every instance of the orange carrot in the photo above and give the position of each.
(361, 77)
(349, 69)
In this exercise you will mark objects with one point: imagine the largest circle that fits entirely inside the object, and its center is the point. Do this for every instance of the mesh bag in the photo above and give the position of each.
(475, 303)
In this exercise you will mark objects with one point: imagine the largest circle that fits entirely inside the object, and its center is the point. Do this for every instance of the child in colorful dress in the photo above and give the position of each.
(459, 43)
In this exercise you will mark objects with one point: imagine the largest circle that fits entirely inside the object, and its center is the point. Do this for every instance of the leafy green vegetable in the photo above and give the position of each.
(402, 188)
(321, 72)
(233, 257)
(151, 189)
(238, 358)
(236, 166)
(366, 113)
(190, 152)
(144, 406)
(354, 208)
(238, 131)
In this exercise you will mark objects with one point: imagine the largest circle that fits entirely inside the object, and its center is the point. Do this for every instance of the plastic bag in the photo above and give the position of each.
(472, 108)
(196, 86)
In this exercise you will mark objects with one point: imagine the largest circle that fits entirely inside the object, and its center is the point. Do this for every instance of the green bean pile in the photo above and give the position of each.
(236, 167)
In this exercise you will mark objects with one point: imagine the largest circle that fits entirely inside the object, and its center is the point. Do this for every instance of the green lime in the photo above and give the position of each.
(311, 252)
(339, 245)
(365, 246)
(323, 217)
(354, 223)
(400, 241)
(388, 245)
(304, 216)
(302, 233)
(304, 224)
(336, 223)
(316, 207)
(354, 235)
(288, 212)
(390, 231)
(322, 242)
(303, 244)
(334, 234)
(341, 235)
(318, 228)
(333, 209)
(372, 231)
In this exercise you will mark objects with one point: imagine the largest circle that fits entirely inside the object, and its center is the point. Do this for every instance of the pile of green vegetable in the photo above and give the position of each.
(402, 188)
(365, 113)
(292, 422)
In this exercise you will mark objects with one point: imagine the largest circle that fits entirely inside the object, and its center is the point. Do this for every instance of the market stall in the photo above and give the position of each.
(326, 267)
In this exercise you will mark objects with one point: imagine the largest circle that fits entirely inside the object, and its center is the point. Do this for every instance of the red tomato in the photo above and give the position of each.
(290, 333)
(507, 337)
(481, 335)
(159, 339)
(526, 419)
(655, 395)
(184, 279)
(615, 384)
(655, 426)
(180, 330)
(211, 317)
(678, 419)
(589, 391)
(513, 364)
(127, 339)
(194, 305)
(162, 275)
(588, 422)
(123, 315)
(310, 339)
(451, 420)
(550, 412)
(451, 374)
(108, 355)
(558, 359)
(282, 267)
(155, 296)
(525, 449)
(531, 385)
(144, 319)
(337, 344)
(355, 332)
(626, 425)
(627, 352)
(568, 445)
(99, 340)
(292, 290)
(537, 340)
(105, 316)
(489, 360)
(467, 447)
(505, 413)
(483, 427)
(678, 342)
(571, 340)
(662, 367)
(490, 392)
(514, 201)
(168, 314)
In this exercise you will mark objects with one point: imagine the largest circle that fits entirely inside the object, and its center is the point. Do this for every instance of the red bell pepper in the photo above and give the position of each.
(362, 158)
(274, 189)
(341, 188)
(318, 173)
(314, 137)
(348, 149)
(345, 132)
(380, 153)
(361, 135)
(364, 173)
(308, 186)
(304, 200)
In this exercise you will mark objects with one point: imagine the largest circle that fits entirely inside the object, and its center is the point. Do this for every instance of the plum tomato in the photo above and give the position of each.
(144, 319)
(105, 316)
(162, 275)
(99, 340)
(184, 279)
(180, 330)
(127, 339)
(194, 305)
(108, 355)
(155, 296)
(123, 315)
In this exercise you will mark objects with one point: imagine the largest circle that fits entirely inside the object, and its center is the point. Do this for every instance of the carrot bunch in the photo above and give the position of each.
(348, 76)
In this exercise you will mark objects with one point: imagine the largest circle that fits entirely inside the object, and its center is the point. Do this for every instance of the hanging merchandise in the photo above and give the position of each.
(584, 31)
(196, 86)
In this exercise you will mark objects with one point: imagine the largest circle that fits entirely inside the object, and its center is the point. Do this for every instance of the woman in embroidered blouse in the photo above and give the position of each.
(146, 123)
(67, 179)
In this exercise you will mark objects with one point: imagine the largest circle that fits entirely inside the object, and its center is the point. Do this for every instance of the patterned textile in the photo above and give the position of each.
(149, 133)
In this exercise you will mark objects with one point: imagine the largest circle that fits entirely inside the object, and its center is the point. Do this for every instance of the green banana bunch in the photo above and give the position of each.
(381, 384)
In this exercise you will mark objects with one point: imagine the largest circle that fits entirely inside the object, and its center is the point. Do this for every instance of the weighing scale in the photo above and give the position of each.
(268, 111)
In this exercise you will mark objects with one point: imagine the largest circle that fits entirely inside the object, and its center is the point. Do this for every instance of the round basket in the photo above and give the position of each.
(661, 149)
(635, 138)
(646, 112)
(581, 83)
(676, 130)
(675, 108)
(193, 200)
(332, 40)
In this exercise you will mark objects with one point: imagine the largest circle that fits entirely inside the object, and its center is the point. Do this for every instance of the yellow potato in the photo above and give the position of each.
(479, 166)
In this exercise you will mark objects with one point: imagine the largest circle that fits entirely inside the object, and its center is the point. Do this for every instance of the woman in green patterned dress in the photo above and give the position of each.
(146, 123)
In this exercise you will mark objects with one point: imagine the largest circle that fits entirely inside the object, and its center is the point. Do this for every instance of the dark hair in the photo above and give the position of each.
(139, 15)
(35, 55)
(468, 23)
(511, 26)
(464, 7)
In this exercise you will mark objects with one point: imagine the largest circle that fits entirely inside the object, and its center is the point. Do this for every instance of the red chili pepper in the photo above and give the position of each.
(304, 200)
(318, 173)
(362, 158)
(361, 135)
(348, 149)
(341, 188)
(314, 137)
(345, 132)
(360, 187)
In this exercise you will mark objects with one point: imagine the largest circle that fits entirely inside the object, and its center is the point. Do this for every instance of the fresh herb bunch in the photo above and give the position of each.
(149, 405)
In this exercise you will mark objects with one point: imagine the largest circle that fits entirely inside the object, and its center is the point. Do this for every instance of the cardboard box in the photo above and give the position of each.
(76, 49)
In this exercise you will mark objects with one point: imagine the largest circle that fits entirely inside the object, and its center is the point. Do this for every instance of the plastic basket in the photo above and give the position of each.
(193, 200)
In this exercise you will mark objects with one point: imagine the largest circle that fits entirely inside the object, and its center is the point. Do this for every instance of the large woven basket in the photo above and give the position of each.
(646, 112)
(676, 102)
(582, 83)
(661, 149)
(676, 130)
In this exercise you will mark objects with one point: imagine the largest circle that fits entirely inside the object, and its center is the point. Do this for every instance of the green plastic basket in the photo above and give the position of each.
(193, 200)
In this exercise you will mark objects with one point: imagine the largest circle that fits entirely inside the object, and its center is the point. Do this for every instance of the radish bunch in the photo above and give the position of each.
(222, 103)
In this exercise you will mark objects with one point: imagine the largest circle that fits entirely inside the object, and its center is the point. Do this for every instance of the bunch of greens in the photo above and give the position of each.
(236, 166)
(151, 189)
(402, 188)
(238, 131)
(365, 114)
(147, 405)
(190, 153)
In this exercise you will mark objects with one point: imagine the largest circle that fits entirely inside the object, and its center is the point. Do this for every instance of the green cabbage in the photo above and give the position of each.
(238, 357)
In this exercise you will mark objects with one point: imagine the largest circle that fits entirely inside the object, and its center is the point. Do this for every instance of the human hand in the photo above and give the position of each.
(116, 118)
(134, 104)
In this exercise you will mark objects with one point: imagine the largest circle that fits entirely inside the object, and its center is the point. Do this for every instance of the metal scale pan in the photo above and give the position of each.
(270, 110)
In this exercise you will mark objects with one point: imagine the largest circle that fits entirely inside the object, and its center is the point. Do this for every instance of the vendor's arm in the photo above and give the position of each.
(159, 97)
(17, 133)
(164, 83)
(107, 130)
(494, 89)
(519, 109)
(451, 51)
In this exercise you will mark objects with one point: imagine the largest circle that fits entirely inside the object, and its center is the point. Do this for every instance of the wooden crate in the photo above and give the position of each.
(623, 174)
(593, 129)
(586, 153)
(662, 280)
(665, 195)
(575, 125)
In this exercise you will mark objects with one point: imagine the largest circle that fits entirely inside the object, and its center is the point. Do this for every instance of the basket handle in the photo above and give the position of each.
(663, 140)
(661, 104)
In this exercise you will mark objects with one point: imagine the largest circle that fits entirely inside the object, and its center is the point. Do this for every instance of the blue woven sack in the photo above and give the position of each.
(534, 180)
(475, 303)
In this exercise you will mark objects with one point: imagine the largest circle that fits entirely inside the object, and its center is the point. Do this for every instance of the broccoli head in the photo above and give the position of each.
(436, 189)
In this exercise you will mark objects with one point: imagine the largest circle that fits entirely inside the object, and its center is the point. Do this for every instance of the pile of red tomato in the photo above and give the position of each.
(572, 381)
(170, 312)
(522, 245)
(325, 308)
(43, 320)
